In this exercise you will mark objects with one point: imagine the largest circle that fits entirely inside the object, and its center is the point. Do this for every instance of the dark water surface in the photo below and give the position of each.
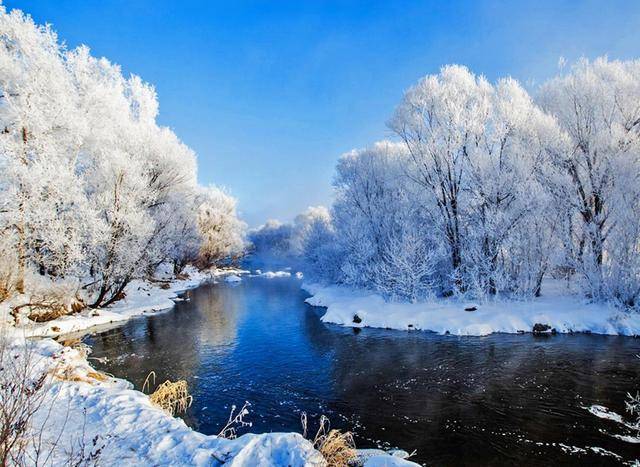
(496, 400)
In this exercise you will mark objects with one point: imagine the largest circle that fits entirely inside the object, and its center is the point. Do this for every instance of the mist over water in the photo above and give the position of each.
(495, 400)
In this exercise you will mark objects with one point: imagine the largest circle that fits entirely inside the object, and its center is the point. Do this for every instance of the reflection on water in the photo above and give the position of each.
(496, 400)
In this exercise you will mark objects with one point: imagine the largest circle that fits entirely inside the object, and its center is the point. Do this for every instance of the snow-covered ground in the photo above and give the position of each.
(87, 413)
(558, 310)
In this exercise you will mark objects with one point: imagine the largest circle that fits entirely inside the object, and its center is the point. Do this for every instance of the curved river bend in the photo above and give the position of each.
(496, 400)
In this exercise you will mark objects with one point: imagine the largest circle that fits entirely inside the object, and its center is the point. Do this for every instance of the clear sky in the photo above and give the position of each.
(270, 93)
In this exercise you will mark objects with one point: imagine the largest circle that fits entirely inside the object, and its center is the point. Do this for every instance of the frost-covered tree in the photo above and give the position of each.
(383, 235)
(115, 159)
(41, 206)
(597, 172)
(303, 223)
(272, 239)
(223, 234)
(440, 120)
(474, 151)
(315, 241)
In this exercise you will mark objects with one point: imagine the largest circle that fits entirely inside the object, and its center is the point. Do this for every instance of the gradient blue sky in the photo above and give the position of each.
(270, 93)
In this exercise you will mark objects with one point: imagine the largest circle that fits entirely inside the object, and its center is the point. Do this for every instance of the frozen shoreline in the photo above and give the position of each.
(561, 312)
(86, 407)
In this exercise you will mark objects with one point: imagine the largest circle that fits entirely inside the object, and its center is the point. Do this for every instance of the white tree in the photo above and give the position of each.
(312, 217)
(440, 120)
(223, 234)
(272, 239)
(43, 211)
(475, 150)
(316, 243)
(119, 176)
(597, 173)
(384, 238)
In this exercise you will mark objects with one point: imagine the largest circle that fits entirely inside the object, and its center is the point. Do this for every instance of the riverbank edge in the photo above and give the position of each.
(86, 407)
(141, 297)
(555, 312)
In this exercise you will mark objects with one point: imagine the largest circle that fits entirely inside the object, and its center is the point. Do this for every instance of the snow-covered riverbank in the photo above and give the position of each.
(140, 297)
(107, 415)
(86, 413)
(556, 310)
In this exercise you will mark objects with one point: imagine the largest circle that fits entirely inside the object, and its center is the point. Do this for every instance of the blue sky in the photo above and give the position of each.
(269, 94)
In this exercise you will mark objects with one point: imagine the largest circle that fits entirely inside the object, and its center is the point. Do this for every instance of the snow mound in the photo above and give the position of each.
(385, 460)
(232, 278)
(281, 449)
(380, 458)
(131, 430)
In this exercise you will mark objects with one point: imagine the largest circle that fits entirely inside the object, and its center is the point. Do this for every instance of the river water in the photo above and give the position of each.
(495, 400)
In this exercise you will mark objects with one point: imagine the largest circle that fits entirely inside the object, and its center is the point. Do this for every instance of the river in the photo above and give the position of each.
(495, 400)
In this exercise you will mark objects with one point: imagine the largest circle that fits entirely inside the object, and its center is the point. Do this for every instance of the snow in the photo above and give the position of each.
(380, 458)
(563, 312)
(232, 278)
(385, 460)
(603, 412)
(606, 414)
(272, 274)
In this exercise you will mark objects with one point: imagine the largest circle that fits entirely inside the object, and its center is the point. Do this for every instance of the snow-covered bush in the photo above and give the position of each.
(25, 383)
(8, 273)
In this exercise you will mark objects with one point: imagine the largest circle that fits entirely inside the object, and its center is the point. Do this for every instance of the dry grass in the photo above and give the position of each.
(70, 373)
(8, 270)
(172, 397)
(73, 342)
(6, 288)
(43, 312)
(91, 377)
(50, 308)
(49, 301)
(66, 370)
(337, 448)
(183, 276)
